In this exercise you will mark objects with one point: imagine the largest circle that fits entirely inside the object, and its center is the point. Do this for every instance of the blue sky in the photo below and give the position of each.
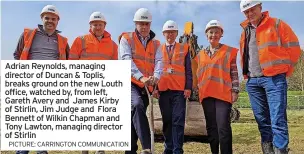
(75, 15)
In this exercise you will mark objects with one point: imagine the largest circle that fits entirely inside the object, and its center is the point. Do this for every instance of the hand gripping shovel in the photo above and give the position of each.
(151, 119)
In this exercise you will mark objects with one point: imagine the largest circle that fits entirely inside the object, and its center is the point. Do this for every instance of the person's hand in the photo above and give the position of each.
(153, 80)
(187, 93)
(145, 80)
(155, 94)
(195, 88)
(234, 97)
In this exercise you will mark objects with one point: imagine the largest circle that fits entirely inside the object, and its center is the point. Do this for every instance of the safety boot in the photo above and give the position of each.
(146, 151)
(84, 152)
(282, 151)
(100, 152)
(267, 148)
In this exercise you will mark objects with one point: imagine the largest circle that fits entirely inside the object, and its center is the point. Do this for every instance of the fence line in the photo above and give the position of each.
(294, 102)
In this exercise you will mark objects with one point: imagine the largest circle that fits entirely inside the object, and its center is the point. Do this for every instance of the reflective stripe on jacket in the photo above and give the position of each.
(173, 76)
(213, 74)
(144, 58)
(278, 47)
(88, 47)
(29, 35)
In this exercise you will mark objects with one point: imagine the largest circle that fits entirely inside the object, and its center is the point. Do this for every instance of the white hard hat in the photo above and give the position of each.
(50, 9)
(247, 4)
(143, 15)
(214, 23)
(170, 25)
(97, 16)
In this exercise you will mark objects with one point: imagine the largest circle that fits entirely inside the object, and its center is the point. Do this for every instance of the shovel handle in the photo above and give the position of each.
(151, 119)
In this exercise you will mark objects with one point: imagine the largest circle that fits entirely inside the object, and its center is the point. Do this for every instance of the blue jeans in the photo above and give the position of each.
(26, 152)
(268, 98)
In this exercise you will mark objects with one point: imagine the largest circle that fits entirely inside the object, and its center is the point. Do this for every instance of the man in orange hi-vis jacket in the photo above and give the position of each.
(97, 45)
(43, 43)
(174, 88)
(269, 51)
(141, 47)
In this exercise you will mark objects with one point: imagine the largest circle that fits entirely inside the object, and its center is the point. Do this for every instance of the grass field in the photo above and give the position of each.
(295, 100)
(246, 139)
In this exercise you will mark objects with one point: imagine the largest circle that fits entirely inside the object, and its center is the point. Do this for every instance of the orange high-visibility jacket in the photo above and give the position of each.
(213, 74)
(143, 58)
(28, 37)
(278, 46)
(176, 79)
(88, 47)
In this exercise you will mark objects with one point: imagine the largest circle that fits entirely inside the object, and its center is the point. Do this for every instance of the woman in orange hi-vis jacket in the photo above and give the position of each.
(218, 87)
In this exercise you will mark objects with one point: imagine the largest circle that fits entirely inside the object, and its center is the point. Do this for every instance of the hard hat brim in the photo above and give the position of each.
(142, 20)
(214, 27)
(242, 10)
(43, 13)
(170, 30)
(97, 20)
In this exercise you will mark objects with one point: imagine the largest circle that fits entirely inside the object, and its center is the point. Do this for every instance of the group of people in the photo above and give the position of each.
(269, 50)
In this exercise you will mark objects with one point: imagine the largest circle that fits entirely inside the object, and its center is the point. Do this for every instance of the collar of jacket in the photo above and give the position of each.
(167, 44)
(215, 49)
(265, 17)
(40, 28)
(208, 47)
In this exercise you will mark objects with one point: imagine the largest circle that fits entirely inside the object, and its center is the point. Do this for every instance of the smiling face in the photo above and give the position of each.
(50, 21)
(254, 14)
(97, 27)
(214, 35)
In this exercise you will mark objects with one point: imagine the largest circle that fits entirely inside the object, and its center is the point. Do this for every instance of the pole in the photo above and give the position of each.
(151, 119)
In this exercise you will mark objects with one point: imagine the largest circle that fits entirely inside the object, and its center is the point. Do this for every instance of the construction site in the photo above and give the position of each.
(192, 31)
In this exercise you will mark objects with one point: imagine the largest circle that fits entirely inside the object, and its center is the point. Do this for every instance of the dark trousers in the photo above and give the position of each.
(140, 125)
(173, 109)
(26, 152)
(217, 115)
